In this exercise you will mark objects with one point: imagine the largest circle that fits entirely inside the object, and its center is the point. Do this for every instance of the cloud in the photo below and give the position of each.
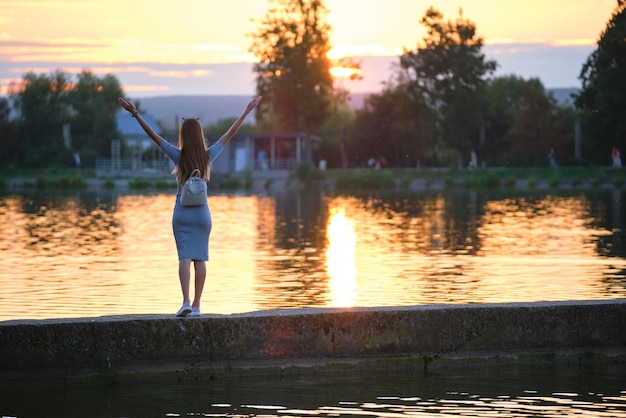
(74, 50)
(182, 74)
(153, 89)
(576, 42)
(556, 42)
(56, 43)
(48, 51)
(554, 65)
(56, 4)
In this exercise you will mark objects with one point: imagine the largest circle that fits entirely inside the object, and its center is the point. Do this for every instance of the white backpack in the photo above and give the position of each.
(194, 190)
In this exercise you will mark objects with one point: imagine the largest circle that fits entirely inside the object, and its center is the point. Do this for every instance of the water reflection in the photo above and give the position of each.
(92, 254)
(340, 258)
(503, 390)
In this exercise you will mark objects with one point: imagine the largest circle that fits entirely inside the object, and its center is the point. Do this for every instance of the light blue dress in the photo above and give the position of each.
(191, 224)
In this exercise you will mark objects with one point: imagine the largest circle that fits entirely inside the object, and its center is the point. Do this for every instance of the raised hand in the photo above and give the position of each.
(254, 103)
(128, 106)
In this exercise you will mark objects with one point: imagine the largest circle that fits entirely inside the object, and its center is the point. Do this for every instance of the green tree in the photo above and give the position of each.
(505, 99)
(523, 122)
(602, 100)
(395, 124)
(10, 151)
(335, 132)
(41, 102)
(93, 101)
(51, 106)
(540, 124)
(450, 69)
(218, 128)
(293, 71)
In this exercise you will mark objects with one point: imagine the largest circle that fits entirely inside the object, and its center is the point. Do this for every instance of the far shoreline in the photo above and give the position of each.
(340, 180)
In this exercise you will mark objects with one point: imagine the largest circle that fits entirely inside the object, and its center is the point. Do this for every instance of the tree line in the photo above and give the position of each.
(57, 117)
(440, 104)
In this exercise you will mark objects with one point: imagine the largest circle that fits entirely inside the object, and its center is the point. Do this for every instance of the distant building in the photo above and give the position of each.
(133, 153)
(132, 133)
(266, 152)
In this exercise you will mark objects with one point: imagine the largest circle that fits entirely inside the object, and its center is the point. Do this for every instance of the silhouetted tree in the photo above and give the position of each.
(293, 71)
(450, 69)
(395, 124)
(602, 99)
(41, 102)
(334, 133)
(540, 124)
(523, 122)
(10, 149)
(45, 104)
(93, 101)
(222, 125)
(506, 100)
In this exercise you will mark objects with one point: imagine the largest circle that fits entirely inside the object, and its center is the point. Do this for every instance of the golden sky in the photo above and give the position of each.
(160, 40)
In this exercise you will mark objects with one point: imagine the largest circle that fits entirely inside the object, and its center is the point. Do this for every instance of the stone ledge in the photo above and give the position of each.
(105, 346)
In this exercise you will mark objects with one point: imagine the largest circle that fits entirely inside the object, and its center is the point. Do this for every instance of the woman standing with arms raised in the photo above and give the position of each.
(191, 224)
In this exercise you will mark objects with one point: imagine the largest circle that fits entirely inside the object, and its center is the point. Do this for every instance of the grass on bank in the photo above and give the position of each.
(354, 179)
(49, 178)
(57, 182)
(490, 178)
(146, 183)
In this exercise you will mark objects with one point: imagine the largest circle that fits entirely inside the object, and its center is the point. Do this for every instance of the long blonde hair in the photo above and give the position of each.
(193, 151)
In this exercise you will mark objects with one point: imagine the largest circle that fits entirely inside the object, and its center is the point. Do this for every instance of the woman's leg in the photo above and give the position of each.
(199, 267)
(184, 274)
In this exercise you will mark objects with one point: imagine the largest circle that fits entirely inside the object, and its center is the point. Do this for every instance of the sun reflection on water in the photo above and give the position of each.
(340, 258)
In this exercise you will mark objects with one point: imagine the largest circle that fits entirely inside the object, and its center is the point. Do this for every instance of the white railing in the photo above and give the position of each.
(276, 164)
(128, 167)
(107, 167)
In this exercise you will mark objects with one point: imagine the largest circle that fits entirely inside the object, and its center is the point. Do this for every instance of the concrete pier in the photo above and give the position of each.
(119, 347)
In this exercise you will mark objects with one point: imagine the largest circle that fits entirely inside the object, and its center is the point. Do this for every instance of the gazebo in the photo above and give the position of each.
(266, 152)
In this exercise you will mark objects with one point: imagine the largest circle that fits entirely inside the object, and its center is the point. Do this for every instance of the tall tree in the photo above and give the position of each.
(10, 151)
(293, 70)
(506, 99)
(93, 124)
(41, 101)
(395, 124)
(47, 105)
(539, 125)
(602, 99)
(523, 122)
(450, 69)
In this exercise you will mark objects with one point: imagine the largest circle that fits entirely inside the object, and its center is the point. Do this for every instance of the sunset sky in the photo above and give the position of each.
(165, 47)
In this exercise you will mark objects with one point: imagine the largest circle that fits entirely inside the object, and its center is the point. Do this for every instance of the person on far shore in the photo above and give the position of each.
(617, 161)
(473, 160)
(191, 224)
(552, 158)
(76, 159)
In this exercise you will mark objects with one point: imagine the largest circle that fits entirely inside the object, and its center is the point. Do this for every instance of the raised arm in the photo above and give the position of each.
(144, 125)
(237, 124)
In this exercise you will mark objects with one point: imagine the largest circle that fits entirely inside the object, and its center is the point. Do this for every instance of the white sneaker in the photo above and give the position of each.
(195, 312)
(184, 311)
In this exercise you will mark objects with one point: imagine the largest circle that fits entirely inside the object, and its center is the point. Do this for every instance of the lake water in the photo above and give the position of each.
(503, 390)
(95, 253)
